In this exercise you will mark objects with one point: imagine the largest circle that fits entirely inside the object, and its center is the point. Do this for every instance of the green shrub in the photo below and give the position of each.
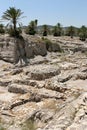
(47, 42)
(50, 46)
(2, 31)
(29, 125)
(45, 33)
(31, 29)
(13, 33)
(82, 36)
(83, 33)
(2, 128)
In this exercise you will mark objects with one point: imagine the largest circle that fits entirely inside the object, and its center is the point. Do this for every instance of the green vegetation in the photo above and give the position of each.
(29, 125)
(70, 31)
(50, 46)
(47, 42)
(14, 33)
(1, 125)
(12, 15)
(2, 31)
(57, 30)
(2, 128)
(32, 27)
(83, 33)
(45, 30)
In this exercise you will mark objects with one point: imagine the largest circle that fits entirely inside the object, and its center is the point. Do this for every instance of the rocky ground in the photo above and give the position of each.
(48, 94)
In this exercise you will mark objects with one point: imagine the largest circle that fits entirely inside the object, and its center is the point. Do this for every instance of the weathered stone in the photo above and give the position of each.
(44, 72)
(55, 47)
(50, 92)
(38, 60)
(80, 75)
(63, 79)
(45, 93)
(4, 83)
(55, 85)
(67, 66)
(16, 71)
(15, 88)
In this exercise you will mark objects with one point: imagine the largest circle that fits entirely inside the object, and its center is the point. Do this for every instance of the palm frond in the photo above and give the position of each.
(13, 15)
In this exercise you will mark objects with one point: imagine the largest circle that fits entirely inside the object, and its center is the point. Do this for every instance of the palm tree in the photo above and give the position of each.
(45, 30)
(36, 22)
(32, 27)
(83, 33)
(12, 15)
(59, 29)
(70, 31)
(55, 31)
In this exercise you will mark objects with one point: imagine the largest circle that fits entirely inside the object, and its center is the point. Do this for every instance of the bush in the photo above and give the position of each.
(45, 33)
(82, 36)
(50, 46)
(83, 33)
(2, 31)
(31, 29)
(55, 34)
(2, 128)
(13, 33)
(29, 125)
(47, 42)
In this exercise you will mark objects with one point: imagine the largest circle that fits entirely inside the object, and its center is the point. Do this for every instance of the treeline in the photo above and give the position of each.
(57, 30)
(45, 30)
(13, 15)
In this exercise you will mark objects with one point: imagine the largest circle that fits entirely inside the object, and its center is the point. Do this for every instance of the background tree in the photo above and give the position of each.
(57, 30)
(82, 33)
(70, 31)
(13, 15)
(2, 30)
(32, 27)
(45, 30)
(36, 22)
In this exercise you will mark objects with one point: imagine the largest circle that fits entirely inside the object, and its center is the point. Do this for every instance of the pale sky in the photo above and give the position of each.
(66, 12)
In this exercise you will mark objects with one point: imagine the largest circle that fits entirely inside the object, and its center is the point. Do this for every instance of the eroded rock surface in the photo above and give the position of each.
(48, 94)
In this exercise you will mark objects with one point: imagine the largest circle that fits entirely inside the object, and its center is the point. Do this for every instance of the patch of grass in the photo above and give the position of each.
(47, 42)
(50, 46)
(29, 125)
(1, 127)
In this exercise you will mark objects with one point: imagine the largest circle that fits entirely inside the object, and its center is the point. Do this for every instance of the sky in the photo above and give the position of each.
(66, 12)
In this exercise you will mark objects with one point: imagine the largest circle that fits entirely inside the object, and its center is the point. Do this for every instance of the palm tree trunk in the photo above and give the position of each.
(14, 26)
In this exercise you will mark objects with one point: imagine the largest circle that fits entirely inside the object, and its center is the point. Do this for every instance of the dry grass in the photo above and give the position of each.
(29, 125)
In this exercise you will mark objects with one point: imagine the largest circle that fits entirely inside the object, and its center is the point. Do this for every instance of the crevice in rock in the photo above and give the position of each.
(5, 83)
(6, 60)
(33, 98)
(65, 79)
